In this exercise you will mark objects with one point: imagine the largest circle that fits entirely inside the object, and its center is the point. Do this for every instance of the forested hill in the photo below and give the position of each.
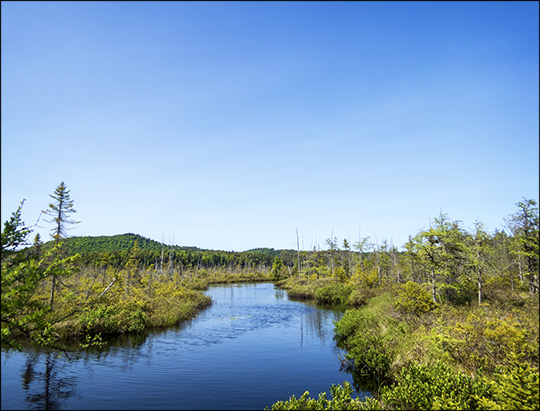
(119, 242)
(116, 250)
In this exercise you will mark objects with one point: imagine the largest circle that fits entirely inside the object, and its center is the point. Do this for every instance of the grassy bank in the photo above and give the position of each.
(326, 291)
(415, 354)
(94, 303)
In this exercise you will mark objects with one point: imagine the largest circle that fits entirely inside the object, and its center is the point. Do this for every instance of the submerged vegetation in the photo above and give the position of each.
(449, 323)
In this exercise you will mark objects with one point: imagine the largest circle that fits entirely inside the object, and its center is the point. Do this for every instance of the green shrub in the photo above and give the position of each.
(341, 400)
(460, 293)
(515, 387)
(371, 354)
(302, 292)
(360, 296)
(137, 321)
(340, 274)
(484, 339)
(351, 322)
(334, 293)
(357, 298)
(359, 332)
(426, 387)
(414, 298)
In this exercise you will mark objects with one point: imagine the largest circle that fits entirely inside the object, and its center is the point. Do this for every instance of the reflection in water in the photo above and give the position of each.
(361, 381)
(46, 389)
(48, 379)
(314, 324)
(280, 294)
(177, 367)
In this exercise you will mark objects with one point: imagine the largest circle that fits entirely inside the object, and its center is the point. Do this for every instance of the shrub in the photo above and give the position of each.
(359, 332)
(460, 293)
(515, 387)
(425, 387)
(341, 400)
(334, 293)
(137, 321)
(359, 297)
(484, 339)
(414, 298)
(351, 322)
(371, 354)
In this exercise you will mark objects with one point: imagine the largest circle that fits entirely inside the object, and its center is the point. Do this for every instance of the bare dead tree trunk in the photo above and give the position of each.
(298, 254)
(104, 291)
(479, 289)
(434, 288)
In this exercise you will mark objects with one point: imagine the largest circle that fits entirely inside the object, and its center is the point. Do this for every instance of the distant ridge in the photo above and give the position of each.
(115, 250)
(119, 242)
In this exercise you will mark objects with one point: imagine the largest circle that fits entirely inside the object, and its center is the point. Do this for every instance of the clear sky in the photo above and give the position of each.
(229, 125)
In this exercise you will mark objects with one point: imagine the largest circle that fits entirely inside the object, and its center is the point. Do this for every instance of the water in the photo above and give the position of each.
(251, 348)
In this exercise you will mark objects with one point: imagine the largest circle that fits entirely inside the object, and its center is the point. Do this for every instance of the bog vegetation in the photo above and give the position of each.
(449, 323)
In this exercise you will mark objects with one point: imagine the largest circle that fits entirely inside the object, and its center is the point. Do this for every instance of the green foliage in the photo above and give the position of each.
(278, 269)
(340, 274)
(369, 279)
(426, 387)
(360, 296)
(85, 308)
(334, 293)
(301, 289)
(458, 293)
(14, 234)
(514, 387)
(59, 211)
(353, 321)
(23, 313)
(340, 400)
(114, 251)
(359, 332)
(415, 298)
(484, 339)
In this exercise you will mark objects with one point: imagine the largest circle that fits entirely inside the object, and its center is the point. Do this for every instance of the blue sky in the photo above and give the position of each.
(229, 125)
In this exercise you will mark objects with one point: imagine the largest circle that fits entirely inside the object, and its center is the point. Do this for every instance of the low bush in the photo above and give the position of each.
(335, 293)
(426, 387)
(341, 400)
(415, 298)
(361, 334)
(514, 387)
(360, 296)
(483, 338)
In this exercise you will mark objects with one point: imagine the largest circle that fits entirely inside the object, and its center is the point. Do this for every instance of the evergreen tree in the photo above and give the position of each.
(59, 210)
(38, 244)
(21, 276)
(525, 226)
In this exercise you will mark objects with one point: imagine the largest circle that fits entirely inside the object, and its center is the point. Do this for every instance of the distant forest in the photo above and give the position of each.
(115, 251)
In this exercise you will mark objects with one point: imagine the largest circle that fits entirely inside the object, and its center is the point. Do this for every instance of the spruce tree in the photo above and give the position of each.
(60, 211)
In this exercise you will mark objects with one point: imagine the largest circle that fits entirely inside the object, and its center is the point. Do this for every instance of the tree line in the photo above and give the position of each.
(115, 251)
(455, 262)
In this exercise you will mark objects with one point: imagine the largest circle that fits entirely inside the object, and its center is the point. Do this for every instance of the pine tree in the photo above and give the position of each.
(59, 210)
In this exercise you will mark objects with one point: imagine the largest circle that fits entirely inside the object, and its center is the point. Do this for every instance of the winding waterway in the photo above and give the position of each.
(251, 348)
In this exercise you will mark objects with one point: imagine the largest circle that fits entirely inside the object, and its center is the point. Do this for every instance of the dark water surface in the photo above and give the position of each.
(251, 348)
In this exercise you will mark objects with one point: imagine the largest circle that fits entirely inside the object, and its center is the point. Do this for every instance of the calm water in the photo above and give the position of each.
(252, 348)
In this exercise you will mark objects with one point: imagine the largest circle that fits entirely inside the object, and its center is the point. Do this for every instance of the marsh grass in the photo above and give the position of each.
(414, 354)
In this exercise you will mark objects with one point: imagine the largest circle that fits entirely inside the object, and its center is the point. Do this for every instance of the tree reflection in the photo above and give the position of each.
(363, 383)
(49, 388)
(314, 323)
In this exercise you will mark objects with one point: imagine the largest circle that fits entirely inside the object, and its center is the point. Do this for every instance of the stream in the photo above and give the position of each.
(251, 348)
